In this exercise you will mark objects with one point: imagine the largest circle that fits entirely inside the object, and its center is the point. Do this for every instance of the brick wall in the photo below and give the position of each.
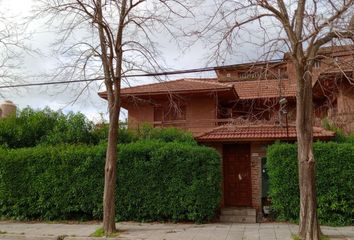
(258, 151)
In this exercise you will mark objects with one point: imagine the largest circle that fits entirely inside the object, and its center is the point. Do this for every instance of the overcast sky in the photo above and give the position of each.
(60, 97)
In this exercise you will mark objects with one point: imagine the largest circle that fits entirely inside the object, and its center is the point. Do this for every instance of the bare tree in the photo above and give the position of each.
(108, 39)
(10, 47)
(299, 27)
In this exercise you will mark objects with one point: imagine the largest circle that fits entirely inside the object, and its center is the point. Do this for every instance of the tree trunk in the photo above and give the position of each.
(110, 173)
(309, 228)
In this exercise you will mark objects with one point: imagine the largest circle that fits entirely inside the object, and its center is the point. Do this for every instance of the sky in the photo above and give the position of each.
(64, 97)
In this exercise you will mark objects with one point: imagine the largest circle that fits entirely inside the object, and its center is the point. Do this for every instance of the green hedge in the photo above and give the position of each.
(147, 132)
(173, 181)
(30, 128)
(52, 183)
(334, 176)
(156, 181)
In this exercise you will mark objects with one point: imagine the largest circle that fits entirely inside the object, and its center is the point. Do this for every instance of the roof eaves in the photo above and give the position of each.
(319, 134)
(177, 92)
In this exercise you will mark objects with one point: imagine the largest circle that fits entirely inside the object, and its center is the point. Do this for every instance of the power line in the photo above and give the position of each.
(50, 83)
(164, 73)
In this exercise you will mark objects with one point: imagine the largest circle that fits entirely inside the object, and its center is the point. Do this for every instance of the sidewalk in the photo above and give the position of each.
(158, 231)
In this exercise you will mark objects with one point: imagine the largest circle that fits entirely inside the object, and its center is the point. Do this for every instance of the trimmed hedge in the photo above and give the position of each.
(52, 183)
(156, 181)
(148, 132)
(334, 178)
(173, 181)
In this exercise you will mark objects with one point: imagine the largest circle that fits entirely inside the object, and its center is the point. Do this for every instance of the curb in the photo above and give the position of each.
(61, 237)
(26, 237)
(91, 238)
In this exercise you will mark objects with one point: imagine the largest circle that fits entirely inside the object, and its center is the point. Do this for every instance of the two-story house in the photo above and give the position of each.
(243, 110)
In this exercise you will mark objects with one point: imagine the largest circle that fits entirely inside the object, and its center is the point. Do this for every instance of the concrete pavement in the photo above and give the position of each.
(159, 231)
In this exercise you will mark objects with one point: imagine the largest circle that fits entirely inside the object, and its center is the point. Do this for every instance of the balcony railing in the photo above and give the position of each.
(344, 121)
(201, 125)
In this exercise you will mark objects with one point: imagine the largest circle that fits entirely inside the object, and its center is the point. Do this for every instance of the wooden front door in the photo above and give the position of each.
(237, 175)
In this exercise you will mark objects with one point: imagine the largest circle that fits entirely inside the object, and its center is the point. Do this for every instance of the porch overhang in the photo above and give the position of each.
(231, 133)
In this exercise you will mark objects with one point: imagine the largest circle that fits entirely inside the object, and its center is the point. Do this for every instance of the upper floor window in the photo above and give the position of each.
(250, 75)
(317, 64)
(264, 73)
(169, 113)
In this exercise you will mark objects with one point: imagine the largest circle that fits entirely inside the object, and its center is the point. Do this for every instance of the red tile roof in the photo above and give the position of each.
(232, 132)
(181, 85)
(244, 89)
(264, 89)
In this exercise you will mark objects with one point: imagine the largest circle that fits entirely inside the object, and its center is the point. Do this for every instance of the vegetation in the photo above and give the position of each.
(52, 182)
(174, 181)
(147, 132)
(157, 180)
(341, 136)
(32, 128)
(334, 175)
(100, 233)
(47, 127)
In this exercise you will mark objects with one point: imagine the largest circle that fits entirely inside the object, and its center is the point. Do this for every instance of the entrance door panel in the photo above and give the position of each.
(237, 175)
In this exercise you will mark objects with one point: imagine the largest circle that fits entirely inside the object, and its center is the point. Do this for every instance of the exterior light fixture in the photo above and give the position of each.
(283, 101)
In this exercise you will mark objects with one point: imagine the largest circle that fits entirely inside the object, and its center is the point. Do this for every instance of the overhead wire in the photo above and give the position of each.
(155, 74)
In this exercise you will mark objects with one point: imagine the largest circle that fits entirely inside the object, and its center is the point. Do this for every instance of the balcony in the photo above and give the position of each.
(201, 126)
(344, 121)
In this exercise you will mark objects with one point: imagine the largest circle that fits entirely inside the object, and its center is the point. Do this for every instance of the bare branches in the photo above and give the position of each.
(110, 38)
(304, 26)
(299, 23)
(12, 49)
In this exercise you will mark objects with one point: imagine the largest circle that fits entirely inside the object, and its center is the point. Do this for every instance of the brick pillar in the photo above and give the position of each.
(258, 151)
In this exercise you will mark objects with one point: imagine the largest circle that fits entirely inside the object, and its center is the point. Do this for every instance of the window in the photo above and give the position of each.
(317, 64)
(250, 75)
(168, 113)
(158, 113)
(176, 113)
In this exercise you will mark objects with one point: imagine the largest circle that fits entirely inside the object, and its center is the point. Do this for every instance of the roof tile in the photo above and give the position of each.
(260, 132)
(264, 89)
(244, 89)
(180, 85)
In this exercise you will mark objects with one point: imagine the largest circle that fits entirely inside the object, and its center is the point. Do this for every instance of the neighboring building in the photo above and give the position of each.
(243, 110)
(7, 108)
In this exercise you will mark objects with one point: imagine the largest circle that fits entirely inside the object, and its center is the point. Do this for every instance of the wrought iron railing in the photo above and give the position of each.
(200, 125)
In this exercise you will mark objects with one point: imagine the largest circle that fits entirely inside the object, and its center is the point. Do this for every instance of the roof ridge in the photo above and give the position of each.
(208, 82)
(263, 81)
(151, 84)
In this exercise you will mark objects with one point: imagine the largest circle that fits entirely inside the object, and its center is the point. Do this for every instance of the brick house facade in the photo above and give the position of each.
(244, 109)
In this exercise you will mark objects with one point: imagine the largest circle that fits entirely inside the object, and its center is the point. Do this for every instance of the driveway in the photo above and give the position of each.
(159, 231)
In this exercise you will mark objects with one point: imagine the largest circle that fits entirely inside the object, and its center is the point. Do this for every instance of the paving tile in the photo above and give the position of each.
(157, 231)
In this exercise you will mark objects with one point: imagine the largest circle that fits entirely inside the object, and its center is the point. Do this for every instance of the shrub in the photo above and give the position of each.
(73, 128)
(341, 136)
(334, 178)
(52, 183)
(31, 128)
(124, 135)
(27, 129)
(156, 181)
(47, 127)
(173, 181)
(147, 132)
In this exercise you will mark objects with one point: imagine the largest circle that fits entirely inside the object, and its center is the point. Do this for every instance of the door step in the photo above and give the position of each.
(238, 215)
